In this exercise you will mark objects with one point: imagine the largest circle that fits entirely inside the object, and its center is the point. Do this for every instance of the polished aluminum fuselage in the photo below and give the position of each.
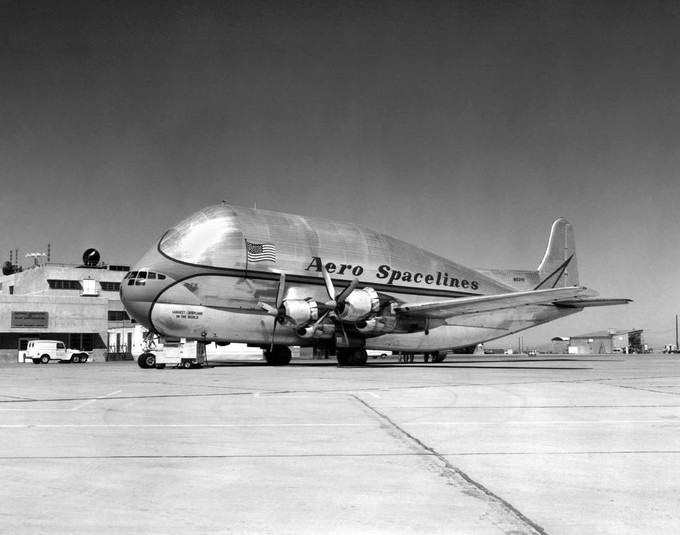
(211, 288)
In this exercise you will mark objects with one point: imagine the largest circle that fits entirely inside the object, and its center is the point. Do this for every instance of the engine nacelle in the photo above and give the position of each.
(359, 304)
(301, 311)
(325, 330)
(378, 325)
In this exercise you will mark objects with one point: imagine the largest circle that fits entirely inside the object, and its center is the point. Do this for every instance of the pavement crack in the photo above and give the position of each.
(455, 474)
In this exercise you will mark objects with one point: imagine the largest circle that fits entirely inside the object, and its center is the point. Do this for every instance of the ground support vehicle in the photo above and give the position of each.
(43, 351)
(179, 354)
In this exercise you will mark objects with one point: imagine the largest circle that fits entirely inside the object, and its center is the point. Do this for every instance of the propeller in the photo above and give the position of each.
(336, 302)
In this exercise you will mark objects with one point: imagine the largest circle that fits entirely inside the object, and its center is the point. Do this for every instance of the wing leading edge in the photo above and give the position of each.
(572, 296)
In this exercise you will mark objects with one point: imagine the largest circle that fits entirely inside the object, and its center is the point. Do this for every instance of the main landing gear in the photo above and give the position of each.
(277, 356)
(353, 356)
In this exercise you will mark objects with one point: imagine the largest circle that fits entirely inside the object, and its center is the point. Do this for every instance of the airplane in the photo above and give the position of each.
(272, 280)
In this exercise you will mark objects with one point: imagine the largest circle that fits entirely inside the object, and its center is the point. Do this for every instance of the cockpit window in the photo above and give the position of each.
(139, 278)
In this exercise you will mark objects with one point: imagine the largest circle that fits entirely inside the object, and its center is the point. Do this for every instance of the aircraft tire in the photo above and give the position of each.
(438, 356)
(352, 357)
(146, 360)
(358, 357)
(279, 356)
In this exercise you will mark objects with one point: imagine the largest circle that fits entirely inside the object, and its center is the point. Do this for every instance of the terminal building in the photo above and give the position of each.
(76, 304)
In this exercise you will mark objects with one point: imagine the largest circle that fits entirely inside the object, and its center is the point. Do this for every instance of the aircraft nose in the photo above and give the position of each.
(137, 307)
(137, 298)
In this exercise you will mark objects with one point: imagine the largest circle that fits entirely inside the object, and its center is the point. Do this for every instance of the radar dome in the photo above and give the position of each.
(91, 257)
(7, 268)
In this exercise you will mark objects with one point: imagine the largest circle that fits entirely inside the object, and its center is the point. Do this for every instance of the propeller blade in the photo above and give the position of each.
(329, 287)
(343, 295)
(271, 346)
(268, 309)
(321, 319)
(280, 290)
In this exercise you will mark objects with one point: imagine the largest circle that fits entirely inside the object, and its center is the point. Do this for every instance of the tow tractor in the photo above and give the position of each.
(178, 352)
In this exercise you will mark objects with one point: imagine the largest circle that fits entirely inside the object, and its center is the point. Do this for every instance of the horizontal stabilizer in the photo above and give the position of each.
(486, 303)
(593, 302)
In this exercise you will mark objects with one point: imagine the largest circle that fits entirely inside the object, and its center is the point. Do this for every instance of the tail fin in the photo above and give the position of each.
(558, 267)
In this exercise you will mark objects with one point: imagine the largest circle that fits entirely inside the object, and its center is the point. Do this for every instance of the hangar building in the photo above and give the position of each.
(76, 304)
(606, 342)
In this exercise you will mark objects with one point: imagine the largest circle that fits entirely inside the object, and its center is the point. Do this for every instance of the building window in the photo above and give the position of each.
(81, 341)
(118, 315)
(57, 284)
(110, 286)
(119, 268)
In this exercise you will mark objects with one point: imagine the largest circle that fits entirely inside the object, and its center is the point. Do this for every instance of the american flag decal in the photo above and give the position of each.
(260, 252)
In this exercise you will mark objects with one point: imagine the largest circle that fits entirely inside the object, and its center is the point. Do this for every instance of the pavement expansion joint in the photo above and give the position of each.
(456, 477)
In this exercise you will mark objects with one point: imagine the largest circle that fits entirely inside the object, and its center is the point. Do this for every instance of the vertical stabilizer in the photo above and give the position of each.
(558, 268)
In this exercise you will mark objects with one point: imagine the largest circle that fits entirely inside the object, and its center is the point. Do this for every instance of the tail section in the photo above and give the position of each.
(558, 267)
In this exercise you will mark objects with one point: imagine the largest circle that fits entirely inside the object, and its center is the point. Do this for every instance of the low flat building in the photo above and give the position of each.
(75, 304)
(606, 342)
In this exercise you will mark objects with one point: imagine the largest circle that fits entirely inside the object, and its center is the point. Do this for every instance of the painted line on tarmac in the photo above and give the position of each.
(551, 422)
(321, 424)
(179, 426)
(95, 399)
(317, 395)
(336, 455)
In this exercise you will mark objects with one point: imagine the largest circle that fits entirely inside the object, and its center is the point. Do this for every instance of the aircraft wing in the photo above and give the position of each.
(485, 303)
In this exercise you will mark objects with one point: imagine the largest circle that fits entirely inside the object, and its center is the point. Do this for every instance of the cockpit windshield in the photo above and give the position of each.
(139, 278)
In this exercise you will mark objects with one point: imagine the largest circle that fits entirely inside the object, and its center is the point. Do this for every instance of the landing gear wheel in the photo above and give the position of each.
(278, 356)
(352, 357)
(146, 360)
(438, 356)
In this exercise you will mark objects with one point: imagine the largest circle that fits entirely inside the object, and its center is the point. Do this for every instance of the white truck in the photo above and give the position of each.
(43, 351)
(178, 352)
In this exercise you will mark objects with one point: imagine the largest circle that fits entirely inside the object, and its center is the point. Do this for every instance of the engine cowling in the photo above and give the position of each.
(359, 304)
(301, 311)
(325, 330)
(377, 325)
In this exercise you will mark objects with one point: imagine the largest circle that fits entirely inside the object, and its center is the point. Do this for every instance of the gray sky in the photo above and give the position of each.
(464, 127)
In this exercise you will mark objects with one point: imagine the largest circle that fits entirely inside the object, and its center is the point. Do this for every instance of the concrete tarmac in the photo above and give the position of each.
(490, 444)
